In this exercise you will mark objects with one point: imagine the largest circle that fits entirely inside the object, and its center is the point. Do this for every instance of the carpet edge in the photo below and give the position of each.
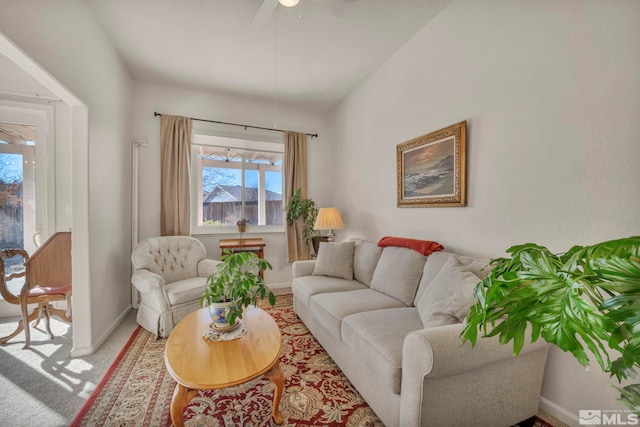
(90, 401)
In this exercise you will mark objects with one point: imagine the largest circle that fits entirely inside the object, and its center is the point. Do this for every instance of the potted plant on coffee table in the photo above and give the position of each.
(586, 300)
(235, 286)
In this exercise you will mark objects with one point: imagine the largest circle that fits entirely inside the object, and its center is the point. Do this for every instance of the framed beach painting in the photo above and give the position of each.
(432, 168)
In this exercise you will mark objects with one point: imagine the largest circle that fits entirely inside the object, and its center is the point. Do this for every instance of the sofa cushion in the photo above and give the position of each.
(335, 260)
(478, 266)
(449, 296)
(377, 337)
(305, 287)
(329, 309)
(398, 273)
(365, 258)
(185, 290)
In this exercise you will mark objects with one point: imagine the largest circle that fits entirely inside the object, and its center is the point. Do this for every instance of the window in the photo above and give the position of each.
(233, 182)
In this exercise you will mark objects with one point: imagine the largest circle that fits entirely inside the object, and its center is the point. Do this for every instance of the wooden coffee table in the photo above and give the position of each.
(200, 364)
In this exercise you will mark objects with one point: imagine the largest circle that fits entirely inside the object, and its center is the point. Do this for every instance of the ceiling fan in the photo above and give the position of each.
(268, 7)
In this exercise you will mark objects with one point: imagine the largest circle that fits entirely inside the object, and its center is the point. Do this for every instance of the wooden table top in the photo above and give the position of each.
(199, 363)
(241, 243)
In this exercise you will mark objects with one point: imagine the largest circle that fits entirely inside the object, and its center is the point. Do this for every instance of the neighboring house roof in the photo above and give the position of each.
(233, 193)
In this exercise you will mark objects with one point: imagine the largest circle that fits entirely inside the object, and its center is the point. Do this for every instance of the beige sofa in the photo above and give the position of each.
(390, 318)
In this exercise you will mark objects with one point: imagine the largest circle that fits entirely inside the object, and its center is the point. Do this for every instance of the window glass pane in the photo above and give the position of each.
(222, 195)
(11, 220)
(252, 196)
(273, 186)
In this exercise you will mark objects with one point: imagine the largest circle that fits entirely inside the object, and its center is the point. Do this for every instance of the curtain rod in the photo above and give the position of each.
(312, 135)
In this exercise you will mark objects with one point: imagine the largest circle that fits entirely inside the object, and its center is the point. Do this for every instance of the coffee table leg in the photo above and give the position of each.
(277, 377)
(181, 396)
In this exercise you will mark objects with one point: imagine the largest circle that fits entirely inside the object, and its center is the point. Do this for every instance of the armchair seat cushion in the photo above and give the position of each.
(185, 290)
(333, 307)
(377, 336)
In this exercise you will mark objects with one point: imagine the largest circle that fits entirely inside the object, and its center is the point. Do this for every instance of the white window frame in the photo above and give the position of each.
(204, 135)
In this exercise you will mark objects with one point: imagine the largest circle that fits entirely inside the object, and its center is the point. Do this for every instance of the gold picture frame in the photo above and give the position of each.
(432, 168)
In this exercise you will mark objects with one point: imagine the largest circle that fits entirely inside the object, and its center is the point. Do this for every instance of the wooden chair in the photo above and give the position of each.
(47, 279)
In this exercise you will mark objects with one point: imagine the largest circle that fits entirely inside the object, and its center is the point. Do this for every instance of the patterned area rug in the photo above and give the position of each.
(137, 390)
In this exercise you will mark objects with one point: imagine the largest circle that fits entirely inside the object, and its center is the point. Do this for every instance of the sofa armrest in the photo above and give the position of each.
(206, 267)
(436, 362)
(302, 268)
(440, 351)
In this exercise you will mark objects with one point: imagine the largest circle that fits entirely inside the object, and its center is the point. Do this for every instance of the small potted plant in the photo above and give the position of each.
(235, 286)
(242, 224)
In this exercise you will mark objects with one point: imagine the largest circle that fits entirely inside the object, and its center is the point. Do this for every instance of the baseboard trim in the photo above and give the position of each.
(85, 351)
(280, 288)
(279, 285)
(558, 411)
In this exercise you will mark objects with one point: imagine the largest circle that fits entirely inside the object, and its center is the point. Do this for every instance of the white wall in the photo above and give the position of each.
(65, 39)
(551, 93)
(150, 98)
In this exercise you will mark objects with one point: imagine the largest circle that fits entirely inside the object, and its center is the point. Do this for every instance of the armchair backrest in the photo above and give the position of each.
(172, 257)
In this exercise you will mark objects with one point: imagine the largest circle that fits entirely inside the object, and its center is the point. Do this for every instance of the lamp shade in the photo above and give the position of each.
(289, 3)
(328, 219)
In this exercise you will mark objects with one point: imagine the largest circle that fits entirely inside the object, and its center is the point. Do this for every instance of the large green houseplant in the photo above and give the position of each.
(586, 300)
(237, 284)
(301, 207)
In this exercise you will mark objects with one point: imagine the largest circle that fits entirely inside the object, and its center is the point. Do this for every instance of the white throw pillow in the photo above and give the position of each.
(449, 296)
(335, 260)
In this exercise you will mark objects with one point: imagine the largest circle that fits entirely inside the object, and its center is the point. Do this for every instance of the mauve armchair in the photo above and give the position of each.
(170, 273)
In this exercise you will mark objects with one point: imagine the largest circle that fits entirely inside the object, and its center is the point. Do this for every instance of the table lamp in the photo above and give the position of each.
(328, 219)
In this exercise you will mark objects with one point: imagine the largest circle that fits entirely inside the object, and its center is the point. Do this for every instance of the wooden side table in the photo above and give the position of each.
(245, 245)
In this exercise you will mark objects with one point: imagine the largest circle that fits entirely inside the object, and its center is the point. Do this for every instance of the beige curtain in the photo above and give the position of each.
(295, 176)
(175, 161)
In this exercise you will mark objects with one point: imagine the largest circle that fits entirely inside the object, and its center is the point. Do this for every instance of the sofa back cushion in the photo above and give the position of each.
(398, 273)
(449, 296)
(365, 259)
(435, 262)
(335, 260)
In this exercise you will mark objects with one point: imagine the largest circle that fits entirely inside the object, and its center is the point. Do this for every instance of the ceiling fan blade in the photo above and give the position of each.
(335, 7)
(265, 12)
